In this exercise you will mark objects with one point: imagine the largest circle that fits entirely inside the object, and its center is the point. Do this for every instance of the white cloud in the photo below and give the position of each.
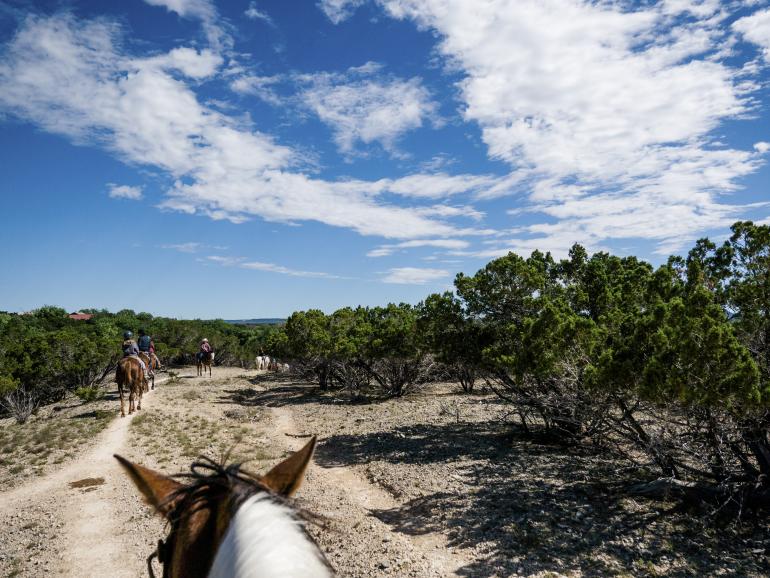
(188, 61)
(203, 10)
(762, 147)
(259, 86)
(385, 250)
(243, 263)
(612, 108)
(124, 192)
(70, 78)
(438, 185)
(339, 10)
(255, 13)
(414, 275)
(756, 29)
(362, 107)
(190, 247)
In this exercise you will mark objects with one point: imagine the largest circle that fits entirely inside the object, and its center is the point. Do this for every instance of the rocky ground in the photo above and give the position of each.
(435, 484)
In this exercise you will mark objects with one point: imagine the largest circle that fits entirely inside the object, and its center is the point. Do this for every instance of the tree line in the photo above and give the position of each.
(670, 366)
(45, 354)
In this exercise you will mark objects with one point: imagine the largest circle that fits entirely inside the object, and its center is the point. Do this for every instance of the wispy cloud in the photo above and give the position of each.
(203, 10)
(124, 192)
(191, 247)
(70, 77)
(606, 113)
(385, 250)
(259, 86)
(339, 10)
(365, 106)
(255, 13)
(414, 275)
(243, 263)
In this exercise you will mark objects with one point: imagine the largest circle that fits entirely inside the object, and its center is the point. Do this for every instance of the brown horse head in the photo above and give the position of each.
(201, 514)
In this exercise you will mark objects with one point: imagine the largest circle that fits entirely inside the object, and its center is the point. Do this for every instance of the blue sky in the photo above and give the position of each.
(203, 158)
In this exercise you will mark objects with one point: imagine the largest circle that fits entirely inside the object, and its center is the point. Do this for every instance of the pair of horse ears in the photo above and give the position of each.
(284, 479)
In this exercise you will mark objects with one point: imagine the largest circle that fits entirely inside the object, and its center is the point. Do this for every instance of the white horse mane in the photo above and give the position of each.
(264, 540)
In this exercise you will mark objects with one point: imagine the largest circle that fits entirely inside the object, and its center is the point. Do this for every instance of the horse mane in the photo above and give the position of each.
(208, 478)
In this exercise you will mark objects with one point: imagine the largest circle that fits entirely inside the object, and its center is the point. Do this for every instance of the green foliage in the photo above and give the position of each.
(7, 384)
(49, 354)
(89, 393)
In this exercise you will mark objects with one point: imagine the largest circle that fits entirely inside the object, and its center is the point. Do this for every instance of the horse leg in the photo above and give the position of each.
(139, 399)
(122, 401)
(131, 398)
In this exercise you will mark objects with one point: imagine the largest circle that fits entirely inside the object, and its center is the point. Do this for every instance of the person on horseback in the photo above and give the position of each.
(205, 349)
(131, 349)
(147, 346)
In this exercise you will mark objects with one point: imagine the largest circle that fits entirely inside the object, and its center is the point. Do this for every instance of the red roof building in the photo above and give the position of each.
(80, 316)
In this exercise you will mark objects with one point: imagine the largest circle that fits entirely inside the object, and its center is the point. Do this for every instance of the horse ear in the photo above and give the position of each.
(286, 477)
(156, 488)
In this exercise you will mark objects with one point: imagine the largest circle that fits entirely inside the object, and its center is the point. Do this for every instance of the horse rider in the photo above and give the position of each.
(205, 349)
(147, 346)
(131, 349)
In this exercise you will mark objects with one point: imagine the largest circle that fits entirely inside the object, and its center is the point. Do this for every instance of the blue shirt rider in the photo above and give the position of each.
(131, 349)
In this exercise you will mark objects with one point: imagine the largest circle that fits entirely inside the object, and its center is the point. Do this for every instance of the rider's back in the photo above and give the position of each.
(144, 343)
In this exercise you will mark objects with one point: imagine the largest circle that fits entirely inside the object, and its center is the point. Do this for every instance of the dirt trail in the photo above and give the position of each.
(80, 501)
(89, 528)
(369, 498)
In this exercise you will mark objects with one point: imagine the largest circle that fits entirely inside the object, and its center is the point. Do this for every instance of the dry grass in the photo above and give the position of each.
(199, 424)
(27, 450)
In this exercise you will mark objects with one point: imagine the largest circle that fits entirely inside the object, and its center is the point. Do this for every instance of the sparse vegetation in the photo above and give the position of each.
(26, 449)
(168, 437)
(669, 367)
(19, 403)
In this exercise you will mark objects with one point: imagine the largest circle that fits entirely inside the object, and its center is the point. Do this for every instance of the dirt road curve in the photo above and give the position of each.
(86, 519)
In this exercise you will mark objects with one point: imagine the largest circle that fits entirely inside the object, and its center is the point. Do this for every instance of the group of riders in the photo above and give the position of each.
(144, 344)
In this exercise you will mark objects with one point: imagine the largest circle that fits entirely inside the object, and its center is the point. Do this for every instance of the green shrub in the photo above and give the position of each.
(89, 393)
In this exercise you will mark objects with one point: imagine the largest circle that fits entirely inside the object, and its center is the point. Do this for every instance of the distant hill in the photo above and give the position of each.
(261, 321)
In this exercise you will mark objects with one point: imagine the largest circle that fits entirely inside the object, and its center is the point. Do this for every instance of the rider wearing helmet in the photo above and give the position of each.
(131, 349)
(147, 346)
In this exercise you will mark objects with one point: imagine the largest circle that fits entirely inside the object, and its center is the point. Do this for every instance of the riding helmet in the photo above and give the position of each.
(127, 335)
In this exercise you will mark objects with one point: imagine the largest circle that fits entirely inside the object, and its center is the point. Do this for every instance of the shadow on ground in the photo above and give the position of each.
(522, 505)
(530, 507)
(282, 391)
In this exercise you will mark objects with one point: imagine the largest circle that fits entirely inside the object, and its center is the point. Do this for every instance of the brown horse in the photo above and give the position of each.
(230, 523)
(130, 376)
(204, 360)
(151, 362)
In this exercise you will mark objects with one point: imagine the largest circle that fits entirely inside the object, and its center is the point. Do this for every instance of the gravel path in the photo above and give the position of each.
(86, 519)
(434, 484)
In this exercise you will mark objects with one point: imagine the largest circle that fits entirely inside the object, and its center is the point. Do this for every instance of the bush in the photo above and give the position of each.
(89, 393)
(20, 403)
